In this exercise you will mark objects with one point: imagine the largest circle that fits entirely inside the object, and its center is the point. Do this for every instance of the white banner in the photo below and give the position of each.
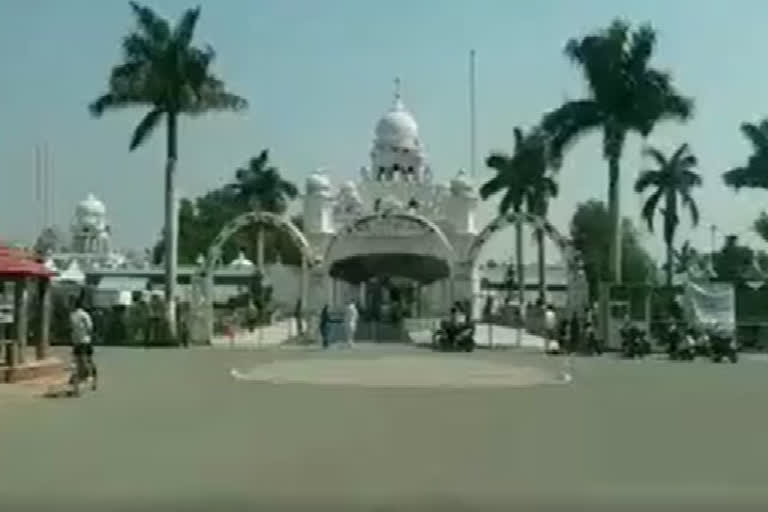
(708, 303)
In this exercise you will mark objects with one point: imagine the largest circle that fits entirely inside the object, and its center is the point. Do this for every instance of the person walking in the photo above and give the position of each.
(350, 322)
(82, 347)
(325, 325)
(298, 314)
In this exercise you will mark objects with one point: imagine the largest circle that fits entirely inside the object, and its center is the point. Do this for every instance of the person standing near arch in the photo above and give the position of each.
(350, 322)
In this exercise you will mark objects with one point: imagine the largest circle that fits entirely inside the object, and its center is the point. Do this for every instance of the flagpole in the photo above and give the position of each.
(472, 115)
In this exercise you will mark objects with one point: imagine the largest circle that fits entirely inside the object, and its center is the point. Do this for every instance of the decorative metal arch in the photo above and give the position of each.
(361, 222)
(201, 317)
(265, 218)
(577, 293)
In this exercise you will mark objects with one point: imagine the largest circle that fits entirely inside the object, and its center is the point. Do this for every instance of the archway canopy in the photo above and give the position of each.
(424, 269)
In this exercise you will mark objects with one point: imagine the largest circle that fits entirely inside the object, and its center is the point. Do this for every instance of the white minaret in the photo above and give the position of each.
(318, 205)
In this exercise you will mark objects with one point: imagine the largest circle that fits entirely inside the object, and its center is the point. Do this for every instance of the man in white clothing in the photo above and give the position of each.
(82, 347)
(550, 326)
(350, 322)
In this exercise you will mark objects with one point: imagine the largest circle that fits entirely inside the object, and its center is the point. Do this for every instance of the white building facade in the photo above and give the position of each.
(394, 235)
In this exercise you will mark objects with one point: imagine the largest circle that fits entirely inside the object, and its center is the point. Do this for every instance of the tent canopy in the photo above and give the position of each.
(424, 269)
(17, 264)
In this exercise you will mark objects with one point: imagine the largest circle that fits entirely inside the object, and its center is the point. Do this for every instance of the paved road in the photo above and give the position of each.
(172, 429)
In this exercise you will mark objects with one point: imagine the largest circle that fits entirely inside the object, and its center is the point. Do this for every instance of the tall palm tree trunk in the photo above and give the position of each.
(520, 266)
(615, 214)
(260, 249)
(670, 263)
(171, 226)
(542, 265)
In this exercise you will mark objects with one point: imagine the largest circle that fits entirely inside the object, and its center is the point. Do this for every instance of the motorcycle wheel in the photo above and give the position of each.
(717, 359)
(734, 358)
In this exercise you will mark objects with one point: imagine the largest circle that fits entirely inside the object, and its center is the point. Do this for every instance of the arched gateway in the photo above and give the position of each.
(575, 280)
(388, 245)
(201, 317)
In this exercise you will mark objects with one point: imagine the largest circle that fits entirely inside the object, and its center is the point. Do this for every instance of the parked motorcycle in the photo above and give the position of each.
(684, 350)
(449, 338)
(634, 343)
(723, 346)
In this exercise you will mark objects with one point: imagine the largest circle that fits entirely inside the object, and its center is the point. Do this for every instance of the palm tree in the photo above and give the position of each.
(673, 180)
(755, 173)
(522, 177)
(263, 189)
(541, 189)
(161, 70)
(625, 95)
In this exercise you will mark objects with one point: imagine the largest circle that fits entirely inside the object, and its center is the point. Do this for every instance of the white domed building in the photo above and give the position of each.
(396, 236)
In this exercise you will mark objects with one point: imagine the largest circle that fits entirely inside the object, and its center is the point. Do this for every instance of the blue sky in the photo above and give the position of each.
(319, 74)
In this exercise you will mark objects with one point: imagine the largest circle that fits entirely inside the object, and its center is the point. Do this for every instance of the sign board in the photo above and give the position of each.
(6, 313)
(707, 304)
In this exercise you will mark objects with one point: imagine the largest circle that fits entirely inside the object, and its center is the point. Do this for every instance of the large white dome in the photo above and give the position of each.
(397, 125)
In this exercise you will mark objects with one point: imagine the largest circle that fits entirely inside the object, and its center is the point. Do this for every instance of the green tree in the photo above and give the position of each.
(732, 260)
(51, 239)
(201, 220)
(523, 179)
(261, 187)
(673, 182)
(760, 226)
(163, 71)
(754, 174)
(625, 95)
(592, 238)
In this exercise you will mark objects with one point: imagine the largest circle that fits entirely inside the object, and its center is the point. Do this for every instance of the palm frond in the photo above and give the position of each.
(642, 44)
(757, 134)
(491, 187)
(185, 28)
(690, 179)
(647, 178)
(656, 155)
(746, 177)
(567, 123)
(693, 209)
(510, 200)
(114, 101)
(145, 128)
(649, 208)
(152, 25)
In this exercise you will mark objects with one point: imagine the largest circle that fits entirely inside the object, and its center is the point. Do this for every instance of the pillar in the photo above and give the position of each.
(44, 329)
(303, 285)
(20, 303)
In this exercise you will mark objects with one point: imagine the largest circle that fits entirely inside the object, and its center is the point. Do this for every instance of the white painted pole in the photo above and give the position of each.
(472, 115)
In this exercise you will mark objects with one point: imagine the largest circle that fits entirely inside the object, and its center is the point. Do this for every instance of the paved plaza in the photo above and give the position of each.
(174, 429)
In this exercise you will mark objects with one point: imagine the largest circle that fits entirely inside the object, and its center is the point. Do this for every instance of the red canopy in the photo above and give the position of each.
(15, 263)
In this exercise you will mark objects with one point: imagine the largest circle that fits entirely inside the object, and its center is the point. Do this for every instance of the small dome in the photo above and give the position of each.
(318, 183)
(91, 206)
(398, 126)
(241, 262)
(462, 184)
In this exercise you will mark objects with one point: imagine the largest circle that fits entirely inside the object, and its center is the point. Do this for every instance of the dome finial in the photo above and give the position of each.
(398, 101)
